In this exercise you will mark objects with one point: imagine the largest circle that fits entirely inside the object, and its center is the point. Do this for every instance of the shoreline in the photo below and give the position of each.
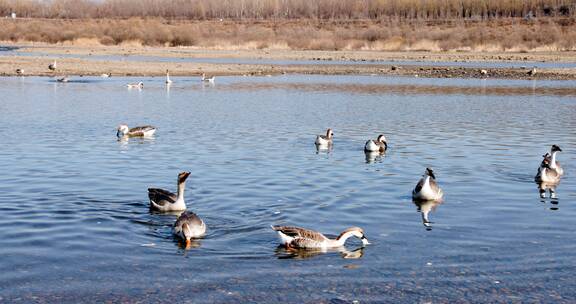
(34, 61)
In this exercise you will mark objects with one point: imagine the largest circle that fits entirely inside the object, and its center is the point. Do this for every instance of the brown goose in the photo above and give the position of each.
(324, 140)
(142, 131)
(427, 189)
(296, 237)
(188, 226)
(378, 145)
(165, 201)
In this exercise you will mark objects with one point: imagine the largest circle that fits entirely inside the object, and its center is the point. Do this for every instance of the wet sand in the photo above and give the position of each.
(355, 62)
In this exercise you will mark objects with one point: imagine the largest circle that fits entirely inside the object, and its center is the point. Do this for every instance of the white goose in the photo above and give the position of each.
(142, 131)
(296, 237)
(166, 201)
(324, 140)
(427, 189)
(189, 226)
(168, 80)
(378, 145)
(208, 79)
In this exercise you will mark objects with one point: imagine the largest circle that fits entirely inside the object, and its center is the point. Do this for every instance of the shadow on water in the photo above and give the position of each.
(283, 252)
(425, 207)
(374, 157)
(8, 48)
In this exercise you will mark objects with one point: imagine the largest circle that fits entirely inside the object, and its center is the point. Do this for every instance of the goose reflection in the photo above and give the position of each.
(374, 156)
(283, 252)
(323, 149)
(425, 207)
(192, 244)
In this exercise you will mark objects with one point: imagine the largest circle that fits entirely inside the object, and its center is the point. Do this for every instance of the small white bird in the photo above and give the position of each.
(324, 140)
(189, 226)
(106, 75)
(168, 81)
(296, 237)
(138, 85)
(208, 79)
(427, 189)
(166, 201)
(142, 131)
(378, 145)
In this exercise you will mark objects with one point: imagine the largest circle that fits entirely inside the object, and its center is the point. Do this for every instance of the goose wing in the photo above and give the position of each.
(160, 196)
(141, 130)
(190, 218)
(297, 232)
(434, 185)
(419, 186)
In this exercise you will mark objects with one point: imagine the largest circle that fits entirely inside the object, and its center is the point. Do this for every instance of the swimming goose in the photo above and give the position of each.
(52, 66)
(106, 75)
(550, 170)
(208, 79)
(168, 81)
(19, 71)
(188, 226)
(165, 201)
(427, 189)
(296, 237)
(63, 79)
(378, 145)
(324, 140)
(547, 178)
(138, 85)
(142, 131)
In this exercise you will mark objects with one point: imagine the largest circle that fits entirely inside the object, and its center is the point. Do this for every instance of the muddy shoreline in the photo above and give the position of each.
(350, 63)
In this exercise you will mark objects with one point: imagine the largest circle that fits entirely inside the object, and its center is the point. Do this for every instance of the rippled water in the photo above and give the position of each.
(75, 224)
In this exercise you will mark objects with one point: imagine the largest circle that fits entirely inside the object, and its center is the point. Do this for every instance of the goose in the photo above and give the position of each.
(324, 140)
(63, 79)
(52, 66)
(427, 189)
(106, 75)
(142, 131)
(165, 201)
(550, 170)
(378, 145)
(138, 85)
(532, 72)
(19, 71)
(208, 79)
(168, 81)
(547, 178)
(189, 226)
(296, 237)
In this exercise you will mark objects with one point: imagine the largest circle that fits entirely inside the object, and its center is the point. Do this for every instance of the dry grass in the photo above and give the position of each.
(290, 9)
(502, 35)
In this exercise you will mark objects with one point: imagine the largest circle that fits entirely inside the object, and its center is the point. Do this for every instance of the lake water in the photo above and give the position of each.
(75, 225)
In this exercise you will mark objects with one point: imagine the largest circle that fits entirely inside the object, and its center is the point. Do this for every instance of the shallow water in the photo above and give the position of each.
(336, 61)
(75, 222)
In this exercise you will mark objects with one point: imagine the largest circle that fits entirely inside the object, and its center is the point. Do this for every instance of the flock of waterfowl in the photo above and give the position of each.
(189, 225)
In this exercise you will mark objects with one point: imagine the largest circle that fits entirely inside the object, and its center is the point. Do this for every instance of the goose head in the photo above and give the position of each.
(122, 130)
(186, 233)
(381, 138)
(353, 231)
(182, 176)
(555, 148)
(430, 173)
(329, 133)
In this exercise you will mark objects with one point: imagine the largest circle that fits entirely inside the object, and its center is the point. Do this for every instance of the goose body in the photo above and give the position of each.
(378, 145)
(324, 140)
(106, 75)
(138, 85)
(142, 131)
(168, 81)
(550, 169)
(296, 237)
(427, 189)
(207, 79)
(189, 226)
(166, 201)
